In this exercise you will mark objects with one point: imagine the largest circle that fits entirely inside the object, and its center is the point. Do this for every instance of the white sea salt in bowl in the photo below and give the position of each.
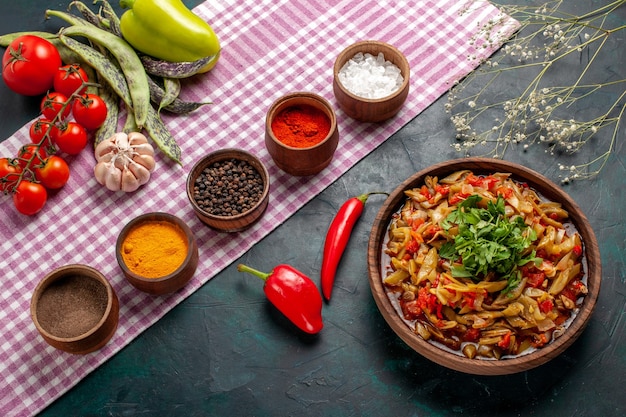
(371, 81)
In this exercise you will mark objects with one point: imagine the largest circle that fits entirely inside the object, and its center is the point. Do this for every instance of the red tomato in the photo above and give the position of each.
(38, 131)
(90, 111)
(72, 138)
(31, 154)
(53, 173)
(29, 65)
(29, 197)
(9, 172)
(69, 78)
(55, 104)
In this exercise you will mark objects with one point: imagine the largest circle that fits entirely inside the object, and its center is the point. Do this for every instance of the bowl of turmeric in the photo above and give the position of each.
(157, 253)
(301, 133)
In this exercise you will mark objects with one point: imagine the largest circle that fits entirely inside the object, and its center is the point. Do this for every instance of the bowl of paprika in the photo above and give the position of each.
(371, 80)
(75, 309)
(157, 253)
(301, 133)
(228, 189)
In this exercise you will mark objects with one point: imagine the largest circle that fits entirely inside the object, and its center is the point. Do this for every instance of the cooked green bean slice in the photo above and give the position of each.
(131, 66)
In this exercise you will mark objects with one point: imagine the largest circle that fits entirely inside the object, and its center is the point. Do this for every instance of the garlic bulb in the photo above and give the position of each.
(124, 161)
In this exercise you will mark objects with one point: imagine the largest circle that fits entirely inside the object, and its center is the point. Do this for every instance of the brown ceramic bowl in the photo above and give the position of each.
(457, 361)
(365, 109)
(75, 309)
(170, 282)
(230, 222)
(301, 161)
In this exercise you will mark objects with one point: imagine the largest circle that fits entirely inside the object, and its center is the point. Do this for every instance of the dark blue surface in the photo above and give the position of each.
(226, 351)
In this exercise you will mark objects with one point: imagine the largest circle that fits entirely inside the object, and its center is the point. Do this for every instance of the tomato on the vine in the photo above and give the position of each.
(90, 111)
(29, 65)
(38, 131)
(53, 172)
(9, 173)
(72, 138)
(69, 78)
(29, 197)
(31, 152)
(53, 104)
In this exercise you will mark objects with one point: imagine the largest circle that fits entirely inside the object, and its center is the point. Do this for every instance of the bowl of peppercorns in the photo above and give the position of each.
(228, 189)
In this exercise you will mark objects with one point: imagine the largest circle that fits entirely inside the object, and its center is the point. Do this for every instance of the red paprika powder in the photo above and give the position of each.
(301, 126)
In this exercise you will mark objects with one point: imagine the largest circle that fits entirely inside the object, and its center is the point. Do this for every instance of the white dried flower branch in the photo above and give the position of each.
(548, 41)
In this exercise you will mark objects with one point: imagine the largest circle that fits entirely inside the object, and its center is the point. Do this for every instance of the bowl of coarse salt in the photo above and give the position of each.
(371, 80)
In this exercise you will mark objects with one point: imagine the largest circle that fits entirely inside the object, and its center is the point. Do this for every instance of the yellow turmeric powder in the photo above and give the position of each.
(154, 249)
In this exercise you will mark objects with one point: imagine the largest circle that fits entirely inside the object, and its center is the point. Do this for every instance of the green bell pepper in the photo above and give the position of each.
(167, 30)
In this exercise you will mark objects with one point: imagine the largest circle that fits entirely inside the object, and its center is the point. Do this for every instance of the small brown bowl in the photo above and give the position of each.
(75, 309)
(457, 361)
(237, 221)
(301, 161)
(172, 281)
(366, 109)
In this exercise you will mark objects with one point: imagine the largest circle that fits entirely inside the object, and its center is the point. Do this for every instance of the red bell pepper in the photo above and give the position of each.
(337, 238)
(293, 294)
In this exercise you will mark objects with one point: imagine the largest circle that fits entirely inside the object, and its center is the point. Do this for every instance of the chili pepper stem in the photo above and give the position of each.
(363, 197)
(246, 268)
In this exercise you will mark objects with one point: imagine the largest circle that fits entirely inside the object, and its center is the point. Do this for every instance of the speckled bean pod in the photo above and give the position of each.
(109, 127)
(168, 69)
(116, 80)
(178, 106)
(112, 19)
(131, 66)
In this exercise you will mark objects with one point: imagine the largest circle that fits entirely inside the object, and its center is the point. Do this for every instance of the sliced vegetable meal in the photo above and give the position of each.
(484, 265)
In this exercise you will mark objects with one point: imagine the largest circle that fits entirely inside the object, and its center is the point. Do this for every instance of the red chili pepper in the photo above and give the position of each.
(293, 294)
(337, 239)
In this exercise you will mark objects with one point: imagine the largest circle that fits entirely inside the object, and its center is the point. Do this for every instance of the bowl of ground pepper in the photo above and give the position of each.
(75, 309)
(371, 80)
(301, 133)
(228, 189)
(157, 253)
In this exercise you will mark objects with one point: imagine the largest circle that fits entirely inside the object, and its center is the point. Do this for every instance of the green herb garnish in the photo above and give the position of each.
(487, 241)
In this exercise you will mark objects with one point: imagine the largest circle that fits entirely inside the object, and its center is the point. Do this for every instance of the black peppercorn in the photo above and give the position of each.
(228, 188)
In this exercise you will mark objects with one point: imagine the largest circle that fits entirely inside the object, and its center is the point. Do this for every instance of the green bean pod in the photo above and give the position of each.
(114, 76)
(87, 14)
(166, 69)
(112, 20)
(177, 106)
(172, 90)
(129, 62)
(109, 127)
(68, 17)
(5, 40)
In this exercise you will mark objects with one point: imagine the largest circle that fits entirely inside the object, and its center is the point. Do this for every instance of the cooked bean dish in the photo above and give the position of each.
(483, 265)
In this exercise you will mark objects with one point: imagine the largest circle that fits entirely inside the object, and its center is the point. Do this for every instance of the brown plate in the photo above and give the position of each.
(452, 360)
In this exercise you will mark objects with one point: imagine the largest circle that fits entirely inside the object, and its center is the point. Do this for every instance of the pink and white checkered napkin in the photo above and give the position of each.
(269, 48)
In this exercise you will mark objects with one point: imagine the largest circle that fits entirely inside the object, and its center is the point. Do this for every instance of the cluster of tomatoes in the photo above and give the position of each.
(38, 166)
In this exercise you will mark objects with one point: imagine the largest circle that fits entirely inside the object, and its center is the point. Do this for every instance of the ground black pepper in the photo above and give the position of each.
(71, 306)
(228, 188)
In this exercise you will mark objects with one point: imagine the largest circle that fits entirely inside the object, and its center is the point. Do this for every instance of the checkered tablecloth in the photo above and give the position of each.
(270, 47)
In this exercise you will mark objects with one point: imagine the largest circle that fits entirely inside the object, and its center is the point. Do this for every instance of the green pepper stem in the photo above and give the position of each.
(127, 4)
(245, 268)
